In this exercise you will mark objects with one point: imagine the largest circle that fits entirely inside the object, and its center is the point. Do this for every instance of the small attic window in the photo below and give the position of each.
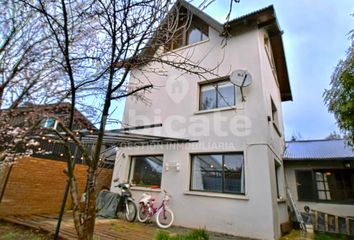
(198, 31)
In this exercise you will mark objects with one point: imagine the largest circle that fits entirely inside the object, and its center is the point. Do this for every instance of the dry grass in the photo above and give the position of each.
(10, 231)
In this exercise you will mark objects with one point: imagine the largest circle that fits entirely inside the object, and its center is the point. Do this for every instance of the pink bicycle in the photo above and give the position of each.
(164, 215)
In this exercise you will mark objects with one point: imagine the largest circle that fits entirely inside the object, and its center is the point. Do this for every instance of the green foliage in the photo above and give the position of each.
(334, 135)
(199, 234)
(340, 97)
(22, 234)
(162, 236)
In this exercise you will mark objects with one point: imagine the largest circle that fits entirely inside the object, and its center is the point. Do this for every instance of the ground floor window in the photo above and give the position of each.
(222, 173)
(326, 185)
(145, 171)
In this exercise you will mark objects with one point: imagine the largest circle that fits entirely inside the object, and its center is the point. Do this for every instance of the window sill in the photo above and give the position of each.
(215, 110)
(217, 195)
(146, 189)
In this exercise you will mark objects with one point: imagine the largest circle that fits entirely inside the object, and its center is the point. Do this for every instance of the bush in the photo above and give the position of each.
(199, 234)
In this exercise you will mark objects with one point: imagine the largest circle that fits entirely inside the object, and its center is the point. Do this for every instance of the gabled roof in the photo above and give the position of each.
(327, 149)
(61, 110)
(205, 17)
(264, 18)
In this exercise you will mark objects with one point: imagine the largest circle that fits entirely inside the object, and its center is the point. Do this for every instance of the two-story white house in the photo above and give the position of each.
(229, 178)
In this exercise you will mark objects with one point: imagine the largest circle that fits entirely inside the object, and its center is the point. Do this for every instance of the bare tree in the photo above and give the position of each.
(27, 74)
(98, 43)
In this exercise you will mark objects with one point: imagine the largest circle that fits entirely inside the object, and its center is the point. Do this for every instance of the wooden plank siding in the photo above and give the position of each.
(37, 185)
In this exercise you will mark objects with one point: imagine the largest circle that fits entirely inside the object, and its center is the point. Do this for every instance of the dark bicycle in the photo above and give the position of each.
(126, 203)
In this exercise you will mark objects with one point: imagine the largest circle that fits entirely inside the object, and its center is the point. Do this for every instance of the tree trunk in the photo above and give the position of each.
(89, 222)
(76, 210)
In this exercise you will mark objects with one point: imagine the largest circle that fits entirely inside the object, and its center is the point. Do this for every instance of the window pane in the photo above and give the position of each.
(305, 185)
(277, 172)
(226, 94)
(49, 123)
(218, 173)
(321, 186)
(207, 173)
(340, 184)
(195, 35)
(207, 97)
(233, 170)
(322, 195)
(204, 36)
(146, 170)
(319, 176)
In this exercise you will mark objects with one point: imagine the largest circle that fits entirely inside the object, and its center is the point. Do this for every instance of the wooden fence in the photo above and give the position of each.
(329, 223)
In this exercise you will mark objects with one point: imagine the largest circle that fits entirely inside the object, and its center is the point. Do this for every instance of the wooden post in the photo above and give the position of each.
(316, 221)
(326, 222)
(347, 225)
(337, 224)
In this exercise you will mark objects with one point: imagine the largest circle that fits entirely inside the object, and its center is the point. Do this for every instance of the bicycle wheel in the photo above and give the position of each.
(143, 213)
(164, 218)
(130, 211)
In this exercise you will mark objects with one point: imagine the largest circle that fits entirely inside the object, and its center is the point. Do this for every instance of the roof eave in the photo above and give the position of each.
(206, 18)
(266, 18)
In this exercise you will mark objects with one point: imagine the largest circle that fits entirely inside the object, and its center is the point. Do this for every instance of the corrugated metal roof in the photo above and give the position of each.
(318, 149)
(270, 7)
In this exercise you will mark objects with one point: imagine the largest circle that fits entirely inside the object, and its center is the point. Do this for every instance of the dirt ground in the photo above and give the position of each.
(10, 231)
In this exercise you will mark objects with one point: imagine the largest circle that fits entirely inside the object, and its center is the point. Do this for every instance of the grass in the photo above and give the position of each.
(322, 236)
(10, 231)
(298, 235)
(199, 234)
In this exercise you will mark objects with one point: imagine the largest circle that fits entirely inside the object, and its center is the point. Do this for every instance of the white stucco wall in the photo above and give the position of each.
(234, 214)
(243, 128)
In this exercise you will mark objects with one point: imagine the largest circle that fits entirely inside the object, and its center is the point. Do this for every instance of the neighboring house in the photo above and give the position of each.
(232, 179)
(320, 175)
(27, 115)
(39, 180)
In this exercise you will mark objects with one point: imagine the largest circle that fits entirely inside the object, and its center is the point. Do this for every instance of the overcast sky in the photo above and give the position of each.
(315, 39)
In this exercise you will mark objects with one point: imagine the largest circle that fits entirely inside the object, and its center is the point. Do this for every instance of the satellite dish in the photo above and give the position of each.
(241, 78)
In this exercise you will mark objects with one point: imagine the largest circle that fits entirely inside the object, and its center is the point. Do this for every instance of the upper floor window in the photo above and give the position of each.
(196, 32)
(275, 117)
(49, 123)
(216, 95)
(268, 50)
